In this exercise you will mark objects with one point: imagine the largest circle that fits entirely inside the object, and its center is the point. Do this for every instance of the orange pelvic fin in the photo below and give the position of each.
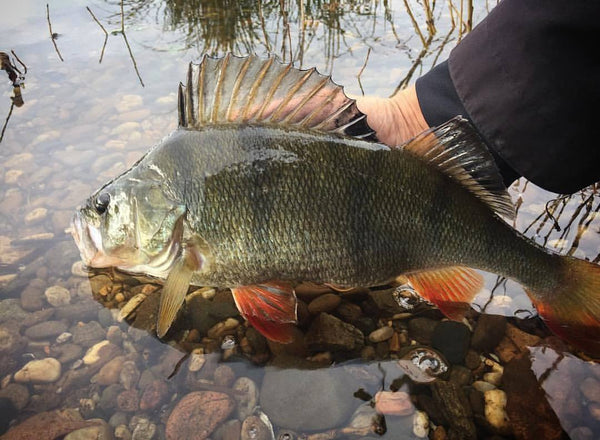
(572, 308)
(269, 307)
(451, 289)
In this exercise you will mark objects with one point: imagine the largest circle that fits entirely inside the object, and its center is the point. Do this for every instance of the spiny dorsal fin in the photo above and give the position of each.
(457, 150)
(254, 91)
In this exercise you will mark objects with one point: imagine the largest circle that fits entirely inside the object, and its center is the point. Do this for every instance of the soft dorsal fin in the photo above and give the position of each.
(457, 150)
(250, 90)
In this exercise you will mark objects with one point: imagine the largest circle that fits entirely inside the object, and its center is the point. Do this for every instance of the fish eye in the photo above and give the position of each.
(102, 202)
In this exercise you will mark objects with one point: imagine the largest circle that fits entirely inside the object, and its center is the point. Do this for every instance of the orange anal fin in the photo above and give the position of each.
(451, 289)
(268, 307)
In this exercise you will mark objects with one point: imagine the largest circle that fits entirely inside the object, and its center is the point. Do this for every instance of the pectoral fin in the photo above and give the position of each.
(173, 293)
(270, 308)
(451, 289)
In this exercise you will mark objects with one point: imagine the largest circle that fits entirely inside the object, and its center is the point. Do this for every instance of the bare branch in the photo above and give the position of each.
(362, 69)
(52, 34)
(12, 105)
(129, 47)
(103, 30)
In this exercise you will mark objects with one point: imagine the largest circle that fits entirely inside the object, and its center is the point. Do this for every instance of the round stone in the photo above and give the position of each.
(324, 303)
(197, 415)
(381, 334)
(39, 371)
(57, 296)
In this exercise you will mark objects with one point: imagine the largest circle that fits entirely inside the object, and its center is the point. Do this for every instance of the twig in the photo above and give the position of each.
(362, 69)
(128, 47)
(286, 32)
(103, 30)
(414, 22)
(20, 62)
(12, 105)
(52, 34)
(262, 25)
(470, 16)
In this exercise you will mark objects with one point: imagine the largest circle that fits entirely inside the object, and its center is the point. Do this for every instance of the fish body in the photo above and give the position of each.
(260, 195)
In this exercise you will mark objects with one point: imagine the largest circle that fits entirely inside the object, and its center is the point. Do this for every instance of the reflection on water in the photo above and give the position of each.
(85, 345)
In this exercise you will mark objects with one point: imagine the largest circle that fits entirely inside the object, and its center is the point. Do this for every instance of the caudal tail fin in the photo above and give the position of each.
(571, 309)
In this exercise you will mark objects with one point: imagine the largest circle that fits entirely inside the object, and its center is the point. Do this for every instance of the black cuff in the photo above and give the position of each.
(439, 102)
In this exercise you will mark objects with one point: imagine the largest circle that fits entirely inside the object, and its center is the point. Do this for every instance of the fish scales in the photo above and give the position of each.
(275, 178)
(318, 209)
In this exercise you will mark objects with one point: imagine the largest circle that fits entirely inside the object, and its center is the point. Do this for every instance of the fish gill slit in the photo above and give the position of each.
(255, 86)
(281, 107)
(236, 87)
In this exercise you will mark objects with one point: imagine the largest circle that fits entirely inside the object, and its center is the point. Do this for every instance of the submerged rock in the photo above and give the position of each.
(393, 403)
(328, 333)
(197, 415)
(489, 331)
(48, 425)
(452, 339)
(46, 330)
(57, 296)
(246, 397)
(257, 428)
(39, 371)
(495, 411)
(308, 399)
(153, 395)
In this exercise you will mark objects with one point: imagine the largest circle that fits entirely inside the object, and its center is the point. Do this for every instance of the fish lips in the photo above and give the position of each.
(89, 241)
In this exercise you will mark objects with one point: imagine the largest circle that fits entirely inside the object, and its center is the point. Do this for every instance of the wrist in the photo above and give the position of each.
(396, 119)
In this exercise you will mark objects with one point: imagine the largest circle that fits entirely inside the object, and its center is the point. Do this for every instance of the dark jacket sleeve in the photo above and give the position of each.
(528, 77)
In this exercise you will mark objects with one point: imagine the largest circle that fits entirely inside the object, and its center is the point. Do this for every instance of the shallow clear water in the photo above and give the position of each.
(84, 122)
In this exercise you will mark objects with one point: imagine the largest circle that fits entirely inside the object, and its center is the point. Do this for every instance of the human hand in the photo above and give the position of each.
(396, 119)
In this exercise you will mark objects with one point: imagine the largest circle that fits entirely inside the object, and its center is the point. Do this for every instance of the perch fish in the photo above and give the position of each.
(273, 177)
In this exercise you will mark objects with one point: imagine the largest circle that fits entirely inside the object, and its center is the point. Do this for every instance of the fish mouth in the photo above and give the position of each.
(89, 242)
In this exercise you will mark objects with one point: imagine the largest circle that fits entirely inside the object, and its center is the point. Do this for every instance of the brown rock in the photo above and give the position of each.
(324, 303)
(48, 426)
(18, 394)
(154, 395)
(489, 332)
(32, 297)
(455, 408)
(328, 333)
(421, 329)
(514, 343)
(297, 346)
(348, 311)
(197, 415)
(128, 401)
(109, 373)
(384, 301)
(530, 414)
(224, 375)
